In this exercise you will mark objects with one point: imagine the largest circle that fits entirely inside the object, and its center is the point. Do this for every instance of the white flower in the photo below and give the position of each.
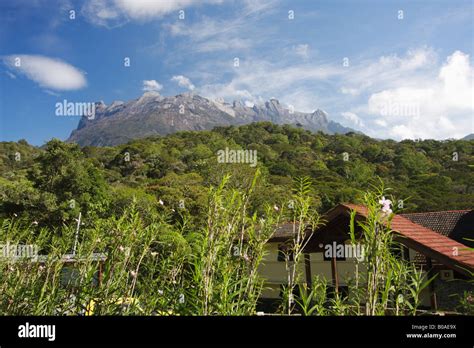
(386, 205)
(121, 248)
(35, 222)
(133, 274)
(276, 207)
(161, 202)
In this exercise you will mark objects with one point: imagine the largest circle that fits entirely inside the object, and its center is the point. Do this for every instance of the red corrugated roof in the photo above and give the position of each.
(441, 246)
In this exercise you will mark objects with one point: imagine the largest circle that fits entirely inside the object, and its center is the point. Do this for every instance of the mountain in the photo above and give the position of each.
(153, 114)
(469, 137)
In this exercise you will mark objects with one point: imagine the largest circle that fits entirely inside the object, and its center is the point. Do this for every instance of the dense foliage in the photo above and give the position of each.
(125, 265)
(185, 234)
(51, 184)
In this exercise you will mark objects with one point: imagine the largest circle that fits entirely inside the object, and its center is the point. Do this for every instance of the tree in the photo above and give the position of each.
(63, 171)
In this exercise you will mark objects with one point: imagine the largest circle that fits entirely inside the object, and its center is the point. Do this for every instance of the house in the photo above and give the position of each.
(69, 272)
(437, 242)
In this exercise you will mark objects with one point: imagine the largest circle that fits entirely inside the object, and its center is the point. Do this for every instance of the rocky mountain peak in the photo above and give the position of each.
(320, 114)
(153, 114)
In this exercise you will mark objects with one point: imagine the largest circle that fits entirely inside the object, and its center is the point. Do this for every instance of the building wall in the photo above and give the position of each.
(275, 274)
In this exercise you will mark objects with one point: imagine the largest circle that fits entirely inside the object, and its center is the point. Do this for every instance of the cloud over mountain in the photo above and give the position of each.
(152, 86)
(183, 81)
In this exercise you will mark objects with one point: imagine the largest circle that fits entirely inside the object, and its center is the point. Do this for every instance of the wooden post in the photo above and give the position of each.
(307, 265)
(434, 302)
(335, 278)
(100, 274)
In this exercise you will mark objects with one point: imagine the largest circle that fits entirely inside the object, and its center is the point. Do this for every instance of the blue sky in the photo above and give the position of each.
(392, 69)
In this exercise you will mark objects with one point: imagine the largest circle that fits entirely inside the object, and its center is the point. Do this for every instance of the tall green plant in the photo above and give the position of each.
(304, 219)
(392, 285)
(231, 247)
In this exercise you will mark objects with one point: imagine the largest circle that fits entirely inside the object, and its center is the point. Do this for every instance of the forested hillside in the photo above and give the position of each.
(52, 184)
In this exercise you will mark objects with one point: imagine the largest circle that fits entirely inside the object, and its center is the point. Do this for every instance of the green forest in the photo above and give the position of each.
(51, 184)
(168, 216)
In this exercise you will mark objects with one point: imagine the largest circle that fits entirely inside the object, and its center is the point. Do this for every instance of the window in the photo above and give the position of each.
(282, 250)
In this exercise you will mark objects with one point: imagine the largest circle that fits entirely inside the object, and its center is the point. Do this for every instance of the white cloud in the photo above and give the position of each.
(402, 132)
(183, 81)
(305, 84)
(112, 13)
(438, 107)
(351, 91)
(151, 86)
(256, 80)
(147, 9)
(302, 50)
(47, 72)
(225, 91)
(211, 35)
(12, 76)
(399, 102)
(103, 13)
(387, 71)
(457, 78)
(241, 32)
(411, 95)
(353, 118)
(224, 44)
